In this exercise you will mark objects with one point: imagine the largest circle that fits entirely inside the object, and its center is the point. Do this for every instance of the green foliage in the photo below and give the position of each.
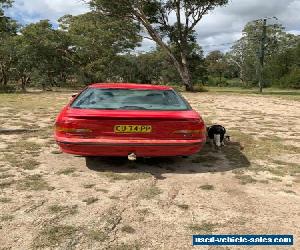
(155, 17)
(98, 46)
(281, 57)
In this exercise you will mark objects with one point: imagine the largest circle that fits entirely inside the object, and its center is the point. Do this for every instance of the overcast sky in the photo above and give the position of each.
(221, 26)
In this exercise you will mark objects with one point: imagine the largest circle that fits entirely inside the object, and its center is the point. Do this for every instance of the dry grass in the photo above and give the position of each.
(34, 183)
(66, 171)
(207, 187)
(204, 227)
(53, 236)
(90, 200)
(127, 177)
(150, 193)
(128, 229)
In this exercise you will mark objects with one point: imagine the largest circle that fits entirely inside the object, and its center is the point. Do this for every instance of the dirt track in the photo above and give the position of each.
(54, 200)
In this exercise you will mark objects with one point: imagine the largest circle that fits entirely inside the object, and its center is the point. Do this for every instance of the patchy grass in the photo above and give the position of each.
(66, 210)
(128, 177)
(98, 235)
(89, 185)
(66, 171)
(128, 229)
(126, 246)
(24, 146)
(150, 193)
(207, 187)
(245, 179)
(56, 152)
(53, 236)
(183, 206)
(30, 164)
(5, 200)
(6, 176)
(6, 184)
(6, 217)
(102, 190)
(34, 183)
(289, 191)
(113, 197)
(264, 148)
(13, 159)
(263, 181)
(205, 227)
(275, 179)
(90, 200)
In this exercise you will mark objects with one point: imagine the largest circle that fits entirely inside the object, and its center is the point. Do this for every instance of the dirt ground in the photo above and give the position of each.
(51, 200)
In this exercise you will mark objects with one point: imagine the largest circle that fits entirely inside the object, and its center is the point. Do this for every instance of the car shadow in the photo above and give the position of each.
(226, 159)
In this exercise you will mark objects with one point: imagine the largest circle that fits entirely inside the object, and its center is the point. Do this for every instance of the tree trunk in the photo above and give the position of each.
(5, 80)
(182, 66)
(24, 81)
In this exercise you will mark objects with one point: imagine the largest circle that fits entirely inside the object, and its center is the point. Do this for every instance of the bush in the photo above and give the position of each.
(8, 89)
(291, 80)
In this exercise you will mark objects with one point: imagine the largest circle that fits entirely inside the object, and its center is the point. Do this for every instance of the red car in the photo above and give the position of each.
(134, 120)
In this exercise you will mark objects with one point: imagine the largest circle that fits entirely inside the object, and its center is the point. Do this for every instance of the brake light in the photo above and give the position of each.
(62, 129)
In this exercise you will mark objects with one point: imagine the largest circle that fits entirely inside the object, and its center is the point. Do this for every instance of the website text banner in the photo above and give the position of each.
(245, 240)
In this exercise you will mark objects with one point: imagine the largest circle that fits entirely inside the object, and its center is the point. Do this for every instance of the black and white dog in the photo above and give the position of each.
(216, 135)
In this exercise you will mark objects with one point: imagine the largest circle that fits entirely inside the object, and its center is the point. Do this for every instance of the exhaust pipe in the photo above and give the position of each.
(132, 157)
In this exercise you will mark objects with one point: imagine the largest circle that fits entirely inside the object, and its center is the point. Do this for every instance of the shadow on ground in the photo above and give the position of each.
(228, 158)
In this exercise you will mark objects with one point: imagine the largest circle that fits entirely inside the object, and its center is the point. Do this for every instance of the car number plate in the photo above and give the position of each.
(133, 129)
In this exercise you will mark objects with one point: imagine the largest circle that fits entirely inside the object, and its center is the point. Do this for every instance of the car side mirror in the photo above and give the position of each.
(74, 95)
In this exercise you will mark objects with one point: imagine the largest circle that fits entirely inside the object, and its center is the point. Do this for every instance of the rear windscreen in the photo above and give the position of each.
(129, 99)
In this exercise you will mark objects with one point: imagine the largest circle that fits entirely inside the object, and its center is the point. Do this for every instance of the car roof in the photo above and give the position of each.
(129, 86)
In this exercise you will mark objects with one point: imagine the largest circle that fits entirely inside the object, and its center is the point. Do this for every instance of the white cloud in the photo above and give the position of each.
(26, 11)
(225, 24)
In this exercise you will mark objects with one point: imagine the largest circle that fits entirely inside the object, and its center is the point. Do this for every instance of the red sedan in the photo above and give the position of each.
(134, 120)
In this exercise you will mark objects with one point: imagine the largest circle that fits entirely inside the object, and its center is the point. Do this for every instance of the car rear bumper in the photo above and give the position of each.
(142, 148)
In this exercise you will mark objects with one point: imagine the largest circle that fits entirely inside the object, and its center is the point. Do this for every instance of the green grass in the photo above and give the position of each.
(266, 91)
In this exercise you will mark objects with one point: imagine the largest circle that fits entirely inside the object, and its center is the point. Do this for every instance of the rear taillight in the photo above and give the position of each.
(69, 128)
(195, 129)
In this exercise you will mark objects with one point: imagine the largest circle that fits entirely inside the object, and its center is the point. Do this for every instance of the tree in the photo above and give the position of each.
(245, 53)
(97, 44)
(8, 29)
(216, 63)
(156, 18)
